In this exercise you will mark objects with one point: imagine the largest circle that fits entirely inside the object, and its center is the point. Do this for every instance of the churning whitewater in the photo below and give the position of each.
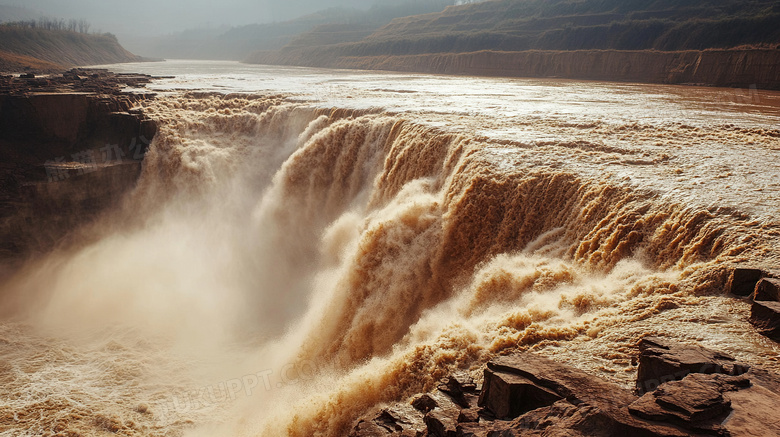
(281, 268)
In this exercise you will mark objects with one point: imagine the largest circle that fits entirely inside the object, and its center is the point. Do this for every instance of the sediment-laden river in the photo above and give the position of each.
(303, 245)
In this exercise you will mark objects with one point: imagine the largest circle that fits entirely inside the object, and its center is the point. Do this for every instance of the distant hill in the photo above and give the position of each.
(518, 25)
(331, 26)
(234, 43)
(583, 25)
(359, 25)
(453, 40)
(51, 48)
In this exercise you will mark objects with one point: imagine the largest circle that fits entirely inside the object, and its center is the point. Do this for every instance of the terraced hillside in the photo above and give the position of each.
(515, 25)
(456, 39)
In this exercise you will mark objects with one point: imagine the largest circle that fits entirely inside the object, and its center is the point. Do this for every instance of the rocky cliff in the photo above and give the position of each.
(70, 146)
(683, 390)
(729, 68)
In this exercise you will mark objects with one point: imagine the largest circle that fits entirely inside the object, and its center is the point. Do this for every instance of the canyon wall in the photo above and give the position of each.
(727, 68)
(70, 147)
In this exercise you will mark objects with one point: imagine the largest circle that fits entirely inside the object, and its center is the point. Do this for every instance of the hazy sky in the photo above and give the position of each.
(155, 17)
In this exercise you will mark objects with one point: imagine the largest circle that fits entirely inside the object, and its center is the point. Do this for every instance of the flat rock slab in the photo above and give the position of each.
(662, 361)
(589, 402)
(696, 402)
(754, 412)
(399, 419)
(713, 404)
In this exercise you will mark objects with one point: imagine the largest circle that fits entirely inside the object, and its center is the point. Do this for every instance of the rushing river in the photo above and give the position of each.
(305, 244)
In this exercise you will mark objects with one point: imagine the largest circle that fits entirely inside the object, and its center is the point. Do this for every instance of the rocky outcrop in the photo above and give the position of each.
(767, 289)
(507, 395)
(742, 281)
(763, 289)
(70, 145)
(400, 419)
(698, 402)
(662, 361)
(746, 68)
(527, 395)
(765, 316)
(703, 391)
(764, 292)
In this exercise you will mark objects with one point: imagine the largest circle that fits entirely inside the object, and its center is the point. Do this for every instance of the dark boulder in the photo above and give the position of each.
(441, 424)
(697, 402)
(765, 316)
(563, 419)
(662, 361)
(767, 289)
(369, 429)
(508, 395)
(442, 421)
(743, 281)
(588, 403)
(457, 384)
(468, 415)
(424, 402)
(400, 419)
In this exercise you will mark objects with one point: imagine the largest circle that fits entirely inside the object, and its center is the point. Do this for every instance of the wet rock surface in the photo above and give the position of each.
(698, 401)
(662, 361)
(763, 289)
(742, 281)
(767, 289)
(527, 395)
(70, 145)
(507, 395)
(765, 316)
(89, 80)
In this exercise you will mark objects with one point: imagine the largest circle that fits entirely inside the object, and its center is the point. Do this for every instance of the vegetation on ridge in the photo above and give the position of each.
(58, 44)
(47, 44)
(519, 25)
